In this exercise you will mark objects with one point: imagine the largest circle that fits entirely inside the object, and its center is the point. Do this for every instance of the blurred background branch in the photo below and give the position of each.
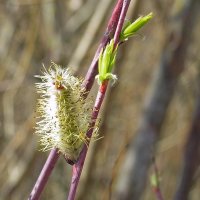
(136, 165)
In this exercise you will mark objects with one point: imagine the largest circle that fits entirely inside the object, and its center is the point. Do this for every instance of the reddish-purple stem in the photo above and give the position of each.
(77, 168)
(44, 175)
(158, 194)
(121, 21)
(87, 85)
(110, 31)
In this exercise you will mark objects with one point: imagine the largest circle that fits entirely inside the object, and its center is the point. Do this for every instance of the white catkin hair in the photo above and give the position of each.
(63, 112)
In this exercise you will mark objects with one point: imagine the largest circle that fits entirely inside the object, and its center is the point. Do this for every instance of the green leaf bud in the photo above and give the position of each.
(131, 28)
(106, 62)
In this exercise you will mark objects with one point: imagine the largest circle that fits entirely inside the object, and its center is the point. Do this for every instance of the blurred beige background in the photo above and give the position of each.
(67, 32)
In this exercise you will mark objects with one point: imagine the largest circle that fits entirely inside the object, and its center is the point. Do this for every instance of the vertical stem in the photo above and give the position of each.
(77, 168)
(121, 22)
(45, 173)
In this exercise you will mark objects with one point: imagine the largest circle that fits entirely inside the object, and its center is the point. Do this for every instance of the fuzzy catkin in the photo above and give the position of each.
(63, 113)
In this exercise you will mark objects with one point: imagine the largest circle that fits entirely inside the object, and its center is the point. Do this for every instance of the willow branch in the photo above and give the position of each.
(87, 85)
(77, 168)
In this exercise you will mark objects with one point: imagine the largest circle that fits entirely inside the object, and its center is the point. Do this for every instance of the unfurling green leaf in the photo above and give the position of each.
(131, 28)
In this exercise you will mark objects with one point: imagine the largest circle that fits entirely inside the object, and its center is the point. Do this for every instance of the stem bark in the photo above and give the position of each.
(44, 175)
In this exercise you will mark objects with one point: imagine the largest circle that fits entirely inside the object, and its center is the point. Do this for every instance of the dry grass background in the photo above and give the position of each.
(67, 32)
